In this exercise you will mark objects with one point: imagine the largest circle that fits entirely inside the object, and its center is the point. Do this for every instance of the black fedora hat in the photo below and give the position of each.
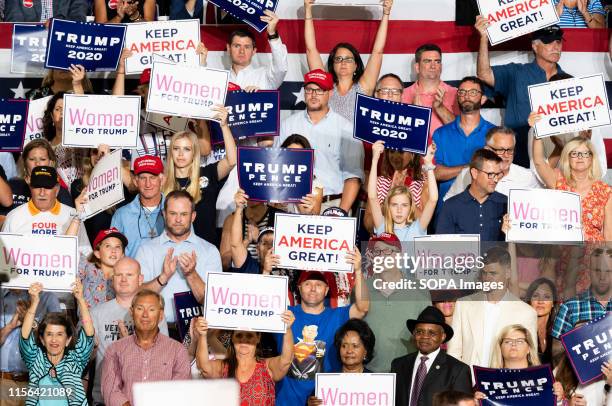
(431, 315)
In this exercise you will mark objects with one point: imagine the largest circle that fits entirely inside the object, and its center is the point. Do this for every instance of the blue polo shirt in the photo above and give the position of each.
(511, 81)
(455, 147)
(463, 214)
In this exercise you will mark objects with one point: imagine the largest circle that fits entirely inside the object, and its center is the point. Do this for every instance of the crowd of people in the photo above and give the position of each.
(119, 326)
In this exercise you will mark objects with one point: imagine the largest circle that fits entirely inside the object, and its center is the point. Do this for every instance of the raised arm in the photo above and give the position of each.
(373, 203)
(432, 199)
(279, 365)
(119, 85)
(229, 162)
(312, 53)
(239, 251)
(75, 222)
(484, 71)
(208, 368)
(360, 308)
(372, 69)
(86, 320)
(547, 174)
(78, 75)
(28, 319)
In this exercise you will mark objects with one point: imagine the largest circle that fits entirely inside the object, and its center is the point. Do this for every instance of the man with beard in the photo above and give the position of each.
(430, 370)
(338, 163)
(479, 209)
(457, 141)
(169, 262)
(513, 79)
(593, 303)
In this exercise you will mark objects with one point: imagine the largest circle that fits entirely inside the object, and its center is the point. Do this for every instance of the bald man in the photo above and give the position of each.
(112, 320)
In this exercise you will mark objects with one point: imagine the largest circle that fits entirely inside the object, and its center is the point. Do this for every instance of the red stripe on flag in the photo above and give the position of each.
(608, 143)
(403, 38)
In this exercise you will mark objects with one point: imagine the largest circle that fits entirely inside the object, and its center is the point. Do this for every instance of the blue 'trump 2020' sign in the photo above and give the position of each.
(28, 48)
(275, 174)
(402, 126)
(248, 11)
(95, 46)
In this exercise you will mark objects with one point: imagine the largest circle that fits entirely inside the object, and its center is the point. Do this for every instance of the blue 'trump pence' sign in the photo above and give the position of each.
(588, 347)
(402, 126)
(95, 46)
(13, 118)
(275, 174)
(515, 387)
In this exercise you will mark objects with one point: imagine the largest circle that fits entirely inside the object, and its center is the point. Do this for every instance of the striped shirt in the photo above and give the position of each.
(383, 186)
(582, 307)
(46, 11)
(126, 363)
(68, 370)
(571, 17)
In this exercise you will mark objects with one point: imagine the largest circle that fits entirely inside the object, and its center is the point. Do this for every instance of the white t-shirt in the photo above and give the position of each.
(27, 219)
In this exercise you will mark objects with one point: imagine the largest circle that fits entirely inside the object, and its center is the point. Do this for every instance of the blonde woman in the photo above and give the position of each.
(514, 349)
(183, 172)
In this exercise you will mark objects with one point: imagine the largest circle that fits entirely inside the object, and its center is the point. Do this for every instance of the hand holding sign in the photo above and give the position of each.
(606, 369)
(288, 318)
(271, 19)
(270, 261)
(481, 25)
(221, 115)
(34, 292)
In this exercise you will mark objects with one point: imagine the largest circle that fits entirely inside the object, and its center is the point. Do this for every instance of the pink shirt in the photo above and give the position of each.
(126, 363)
(427, 99)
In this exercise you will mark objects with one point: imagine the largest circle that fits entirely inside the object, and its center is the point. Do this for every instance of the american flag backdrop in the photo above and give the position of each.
(413, 22)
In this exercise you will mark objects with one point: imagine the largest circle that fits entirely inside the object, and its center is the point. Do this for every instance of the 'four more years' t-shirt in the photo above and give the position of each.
(314, 352)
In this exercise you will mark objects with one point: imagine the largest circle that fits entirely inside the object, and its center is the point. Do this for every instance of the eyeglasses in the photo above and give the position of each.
(578, 154)
(341, 59)
(502, 151)
(515, 342)
(492, 175)
(471, 92)
(385, 91)
(425, 333)
(384, 251)
(310, 90)
(430, 61)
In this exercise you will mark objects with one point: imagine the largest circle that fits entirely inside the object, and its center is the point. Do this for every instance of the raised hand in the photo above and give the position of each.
(272, 19)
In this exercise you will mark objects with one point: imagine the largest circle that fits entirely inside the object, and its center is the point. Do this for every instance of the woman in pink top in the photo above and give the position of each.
(243, 362)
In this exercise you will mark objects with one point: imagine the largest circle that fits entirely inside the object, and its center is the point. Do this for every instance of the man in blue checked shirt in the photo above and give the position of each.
(178, 260)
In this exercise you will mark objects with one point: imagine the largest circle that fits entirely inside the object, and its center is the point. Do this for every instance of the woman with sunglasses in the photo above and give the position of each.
(345, 64)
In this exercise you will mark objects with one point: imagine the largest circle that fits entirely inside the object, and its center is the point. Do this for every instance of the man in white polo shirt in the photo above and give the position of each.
(44, 214)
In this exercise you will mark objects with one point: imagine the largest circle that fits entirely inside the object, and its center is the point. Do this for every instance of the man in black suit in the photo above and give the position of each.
(430, 370)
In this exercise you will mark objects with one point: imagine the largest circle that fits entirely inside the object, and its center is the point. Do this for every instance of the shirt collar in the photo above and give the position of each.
(323, 119)
(55, 210)
(430, 357)
(164, 238)
(537, 67)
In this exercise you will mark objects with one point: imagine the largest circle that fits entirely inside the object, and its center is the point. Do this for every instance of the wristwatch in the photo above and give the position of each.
(273, 36)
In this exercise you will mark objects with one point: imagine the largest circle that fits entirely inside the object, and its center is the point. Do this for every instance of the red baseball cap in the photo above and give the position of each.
(388, 238)
(111, 232)
(231, 86)
(321, 78)
(148, 163)
(145, 76)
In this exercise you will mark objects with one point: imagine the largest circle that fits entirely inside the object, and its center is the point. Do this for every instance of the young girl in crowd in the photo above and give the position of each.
(345, 64)
(183, 172)
(54, 356)
(398, 213)
(244, 362)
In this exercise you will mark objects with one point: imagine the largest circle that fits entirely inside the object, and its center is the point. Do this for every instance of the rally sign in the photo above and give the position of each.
(34, 125)
(511, 19)
(544, 215)
(275, 174)
(249, 302)
(570, 105)
(186, 307)
(317, 243)
(356, 389)
(13, 116)
(95, 46)
(515, 387)
(175, 40)
(49, 259)
(105, 187)
(588, 347)
(250, 115)
(28, 48)
(185, 91)
(448, 261)
(92, 119)
(171, 123)
(224, 392)
(249, 11)
(402, 126)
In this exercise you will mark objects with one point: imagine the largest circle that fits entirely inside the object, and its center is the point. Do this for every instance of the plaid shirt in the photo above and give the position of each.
(46, 10)
(581, 307)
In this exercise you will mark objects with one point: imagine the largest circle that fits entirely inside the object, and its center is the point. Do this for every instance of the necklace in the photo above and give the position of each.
(148, 214)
